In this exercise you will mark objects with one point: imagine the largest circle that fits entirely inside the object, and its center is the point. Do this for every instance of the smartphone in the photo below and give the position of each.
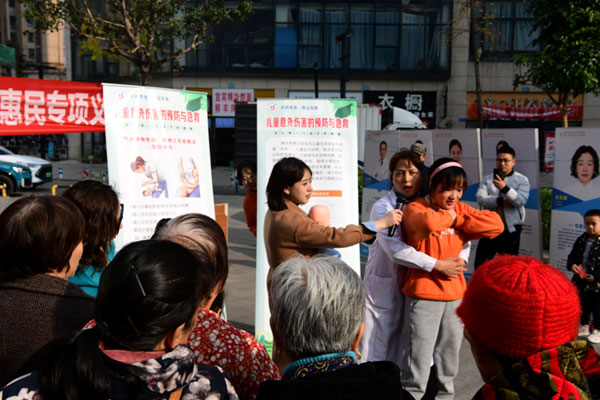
(497, 171)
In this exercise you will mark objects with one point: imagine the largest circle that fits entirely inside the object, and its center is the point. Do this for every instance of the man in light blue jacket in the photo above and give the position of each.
(506, 191)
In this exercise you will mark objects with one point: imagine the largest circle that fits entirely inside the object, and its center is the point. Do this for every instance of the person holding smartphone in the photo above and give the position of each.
(505, 191)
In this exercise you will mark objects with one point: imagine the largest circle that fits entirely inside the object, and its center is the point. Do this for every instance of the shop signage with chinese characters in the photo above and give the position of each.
(521, 105)
(33, 106)
(223, 100)
(421, 104)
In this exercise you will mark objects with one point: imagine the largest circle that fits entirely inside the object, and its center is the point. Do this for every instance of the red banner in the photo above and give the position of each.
(575, 112)
(40, 106)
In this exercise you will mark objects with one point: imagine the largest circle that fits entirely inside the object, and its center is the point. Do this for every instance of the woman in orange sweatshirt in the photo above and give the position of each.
(438, 225)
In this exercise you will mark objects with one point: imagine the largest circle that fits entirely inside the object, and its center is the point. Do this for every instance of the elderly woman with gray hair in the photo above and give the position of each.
(317, 322)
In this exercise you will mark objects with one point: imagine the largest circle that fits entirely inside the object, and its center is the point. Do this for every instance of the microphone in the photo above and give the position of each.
(400, 201)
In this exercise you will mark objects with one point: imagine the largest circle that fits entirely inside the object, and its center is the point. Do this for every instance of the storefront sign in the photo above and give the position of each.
(34, 106)
(509, 106)
(223, 100)
(421, 104)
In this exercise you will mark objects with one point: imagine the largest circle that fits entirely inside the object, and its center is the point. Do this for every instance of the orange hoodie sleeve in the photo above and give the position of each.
(477, 224)
(420, 221)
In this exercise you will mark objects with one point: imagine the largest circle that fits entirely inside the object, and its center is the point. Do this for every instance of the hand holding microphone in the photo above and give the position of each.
(400, 202)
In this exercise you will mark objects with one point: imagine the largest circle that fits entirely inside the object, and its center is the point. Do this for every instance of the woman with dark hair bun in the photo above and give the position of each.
(103, 214)
(585, 167)
(146, 308)
(40, 247)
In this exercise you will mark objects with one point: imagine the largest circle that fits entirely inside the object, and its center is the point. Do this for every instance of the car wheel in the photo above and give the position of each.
(8, 184)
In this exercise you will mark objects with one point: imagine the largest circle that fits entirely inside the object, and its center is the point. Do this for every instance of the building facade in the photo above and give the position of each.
(41, 55)
(414, 54)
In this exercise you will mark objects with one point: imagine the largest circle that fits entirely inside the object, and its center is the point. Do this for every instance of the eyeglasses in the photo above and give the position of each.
(121, 215)
(504, 160)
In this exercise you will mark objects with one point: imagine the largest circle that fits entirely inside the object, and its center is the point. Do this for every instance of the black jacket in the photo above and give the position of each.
(371, 380)
(576, 257)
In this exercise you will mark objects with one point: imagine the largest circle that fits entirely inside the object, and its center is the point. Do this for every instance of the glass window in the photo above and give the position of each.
(509, 31)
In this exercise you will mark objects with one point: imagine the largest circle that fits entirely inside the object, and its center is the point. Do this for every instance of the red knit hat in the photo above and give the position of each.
(517, 306)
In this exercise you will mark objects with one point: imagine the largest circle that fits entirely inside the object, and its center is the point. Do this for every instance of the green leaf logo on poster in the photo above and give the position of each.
(195, 101)
(344, 108)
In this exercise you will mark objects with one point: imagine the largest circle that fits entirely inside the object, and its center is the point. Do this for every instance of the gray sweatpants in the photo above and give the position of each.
(431, 331)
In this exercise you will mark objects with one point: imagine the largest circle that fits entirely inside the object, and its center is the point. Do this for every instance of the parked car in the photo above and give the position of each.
(14, 176)
(41, 170)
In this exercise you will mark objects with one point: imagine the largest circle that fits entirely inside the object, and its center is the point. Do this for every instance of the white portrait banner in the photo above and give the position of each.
(525, 143)
(576, 188)
(462, 145)
(380, 146)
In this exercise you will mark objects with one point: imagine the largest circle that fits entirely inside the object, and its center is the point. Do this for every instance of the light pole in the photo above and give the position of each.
(344, 39)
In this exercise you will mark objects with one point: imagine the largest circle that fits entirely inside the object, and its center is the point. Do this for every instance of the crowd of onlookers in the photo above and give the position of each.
(81, 322)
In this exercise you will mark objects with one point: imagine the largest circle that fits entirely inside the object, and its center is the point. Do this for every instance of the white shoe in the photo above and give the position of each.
(594, 337)
(584, 330)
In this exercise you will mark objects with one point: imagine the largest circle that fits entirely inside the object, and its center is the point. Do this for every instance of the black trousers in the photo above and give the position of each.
(590, 306)
(505, 243)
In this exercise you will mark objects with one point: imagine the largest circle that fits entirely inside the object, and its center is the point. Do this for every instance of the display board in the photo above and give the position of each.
(525, 143)
(158, 155)
(463, 146)
(322, 133)
(576, 188)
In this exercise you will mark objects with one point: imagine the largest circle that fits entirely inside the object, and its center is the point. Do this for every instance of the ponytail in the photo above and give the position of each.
(80, 370)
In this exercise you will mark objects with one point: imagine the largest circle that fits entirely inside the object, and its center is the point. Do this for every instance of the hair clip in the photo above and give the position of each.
(137, 278)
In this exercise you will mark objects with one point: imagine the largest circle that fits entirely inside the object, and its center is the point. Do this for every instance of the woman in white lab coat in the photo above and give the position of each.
(388, 258)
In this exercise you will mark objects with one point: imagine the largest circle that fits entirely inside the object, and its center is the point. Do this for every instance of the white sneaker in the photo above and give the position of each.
(594, 337)
(584, 330)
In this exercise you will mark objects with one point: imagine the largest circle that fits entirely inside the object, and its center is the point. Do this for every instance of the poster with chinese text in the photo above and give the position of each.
(322, 133)
(576, 188)
(158, 155)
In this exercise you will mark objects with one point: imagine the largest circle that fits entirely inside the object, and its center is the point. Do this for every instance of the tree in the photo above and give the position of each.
(482, 37)
(569, 59)
(142, 32)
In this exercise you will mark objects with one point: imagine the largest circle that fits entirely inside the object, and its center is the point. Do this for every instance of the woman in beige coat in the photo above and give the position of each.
(288, 231)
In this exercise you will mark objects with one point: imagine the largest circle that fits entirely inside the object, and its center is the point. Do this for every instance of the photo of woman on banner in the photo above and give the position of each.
(455, 150)
(585, 168)
(188, 173)
(156, 184)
